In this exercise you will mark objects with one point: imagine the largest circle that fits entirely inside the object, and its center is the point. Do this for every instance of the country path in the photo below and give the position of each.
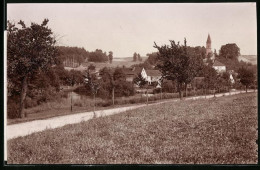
(26, 128)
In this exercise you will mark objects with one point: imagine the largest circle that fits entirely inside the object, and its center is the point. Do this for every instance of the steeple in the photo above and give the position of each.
(208, 40)
(208, 45)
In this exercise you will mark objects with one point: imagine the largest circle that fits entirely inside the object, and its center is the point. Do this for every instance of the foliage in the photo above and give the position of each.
(110, 56)
(229, 51)
(91, 67)
(98, 56)
(139, 57)
(140, 81)
(68, 55)
(91, 82)
(246, 76)
(29, 49)
(135, 57)
(152, 58)
(210, 77)
(178, 63)
(167, 87)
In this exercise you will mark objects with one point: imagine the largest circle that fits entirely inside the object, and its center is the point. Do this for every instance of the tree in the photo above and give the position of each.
(108, 82)
(152, 58)
(92, 82)
(175, 63)
(98, 56)
(142, 83)
(139, 57)
(229, 51)
(210, 78)
(110, 56)
(92, 67)
(135, 57)
(72, 56)
(28, 50)
(246, 76)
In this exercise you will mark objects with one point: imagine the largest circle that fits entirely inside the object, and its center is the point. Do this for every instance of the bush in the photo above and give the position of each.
(132, 101)
(12, 109)
(83, 90)
(107, 103)
(30, 102)
(78, 103)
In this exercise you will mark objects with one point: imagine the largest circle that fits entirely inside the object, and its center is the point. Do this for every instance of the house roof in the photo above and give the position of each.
(153, 72)
(132, 71)
(217, 63)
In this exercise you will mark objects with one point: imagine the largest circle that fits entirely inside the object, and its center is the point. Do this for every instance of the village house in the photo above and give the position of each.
(219, 67)
(131, 73)
(151, 76)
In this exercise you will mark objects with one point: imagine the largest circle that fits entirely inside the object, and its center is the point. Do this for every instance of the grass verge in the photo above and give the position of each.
(215, 131)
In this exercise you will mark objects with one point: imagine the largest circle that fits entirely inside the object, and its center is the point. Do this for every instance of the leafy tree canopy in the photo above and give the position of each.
(246, 76)
(229, 51)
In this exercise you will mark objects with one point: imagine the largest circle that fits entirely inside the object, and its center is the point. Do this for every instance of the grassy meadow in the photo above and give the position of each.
(207, 131)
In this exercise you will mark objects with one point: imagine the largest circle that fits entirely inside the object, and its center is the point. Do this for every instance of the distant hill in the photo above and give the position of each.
(128, 58)
(248, 58)
(117, 62)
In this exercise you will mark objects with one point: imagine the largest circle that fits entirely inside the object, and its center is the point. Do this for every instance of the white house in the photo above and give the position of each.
(152, 76)
(219, 67)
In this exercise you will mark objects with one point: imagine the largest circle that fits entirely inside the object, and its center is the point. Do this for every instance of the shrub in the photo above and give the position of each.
(30, 102)
(78, 103)
(107, 103)
(12, 109)
(132, 101)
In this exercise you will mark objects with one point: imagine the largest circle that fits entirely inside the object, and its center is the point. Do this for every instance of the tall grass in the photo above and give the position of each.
(215, 131)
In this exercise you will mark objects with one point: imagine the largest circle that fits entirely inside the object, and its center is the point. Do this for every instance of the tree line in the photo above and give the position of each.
(74, 56)
(36, 72)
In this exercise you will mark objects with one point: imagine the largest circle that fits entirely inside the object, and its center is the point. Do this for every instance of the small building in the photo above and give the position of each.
(131, 73)
(219, 67)
(151, 75)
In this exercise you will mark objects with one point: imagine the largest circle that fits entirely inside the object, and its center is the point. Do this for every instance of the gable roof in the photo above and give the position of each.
(132, 71)
(217, 63)
(153, 72)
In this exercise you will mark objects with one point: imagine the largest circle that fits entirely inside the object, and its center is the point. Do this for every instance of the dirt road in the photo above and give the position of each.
(26, 128)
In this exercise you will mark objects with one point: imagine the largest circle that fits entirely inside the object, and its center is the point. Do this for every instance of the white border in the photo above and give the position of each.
(5, 94)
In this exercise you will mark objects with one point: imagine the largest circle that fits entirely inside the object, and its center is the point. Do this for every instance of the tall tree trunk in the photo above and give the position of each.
(146, 96)
(246, 88)
(180, 90)
(161, 93)
(71, 101)
(113, 95)
(94, 104)
(22, 97)
(186, 94)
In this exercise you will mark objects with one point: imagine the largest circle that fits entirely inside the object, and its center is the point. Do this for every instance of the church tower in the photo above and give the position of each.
(208, 46)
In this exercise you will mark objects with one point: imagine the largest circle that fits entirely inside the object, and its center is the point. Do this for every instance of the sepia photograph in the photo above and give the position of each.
(131, 83)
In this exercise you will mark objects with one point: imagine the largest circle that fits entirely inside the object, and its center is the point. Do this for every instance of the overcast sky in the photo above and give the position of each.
(128, 28)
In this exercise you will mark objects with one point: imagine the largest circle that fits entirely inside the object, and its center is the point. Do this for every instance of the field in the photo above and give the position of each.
(249, 58)
(215, 131)
(117, 62)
